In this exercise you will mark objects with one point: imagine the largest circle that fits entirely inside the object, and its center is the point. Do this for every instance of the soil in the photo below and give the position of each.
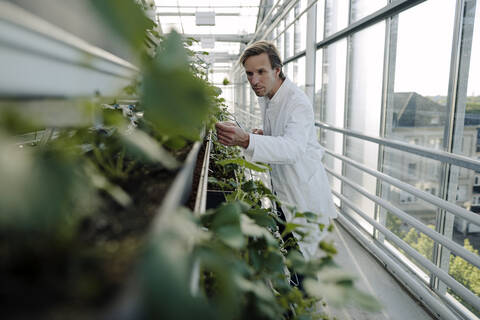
(45, 279)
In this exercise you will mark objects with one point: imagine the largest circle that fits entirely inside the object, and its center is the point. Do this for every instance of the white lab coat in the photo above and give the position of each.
(290, 146)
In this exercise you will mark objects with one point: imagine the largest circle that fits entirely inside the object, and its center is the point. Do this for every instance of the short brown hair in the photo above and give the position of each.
(267, 47)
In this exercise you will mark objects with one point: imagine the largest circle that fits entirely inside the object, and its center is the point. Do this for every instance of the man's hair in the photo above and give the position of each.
(267, 47)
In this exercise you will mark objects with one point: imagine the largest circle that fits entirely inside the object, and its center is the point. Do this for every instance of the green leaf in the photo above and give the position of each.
(227, 214)
(296, 260)
(336, 287)
(232, 236)
(175, 100)
(274, 261)
(143, 143)
(226, 225)
(290, 227)
(249, 186)
(262, 217)
(309, 215)
(175, 143)
(100, 181)
(327, 247)
(250, 228)
(336, 275)
(258, 288)
(244, 163)
(244, 207)
(126, 18)
(172, 54)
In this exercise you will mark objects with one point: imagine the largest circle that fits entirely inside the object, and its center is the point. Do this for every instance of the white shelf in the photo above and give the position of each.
(38, 59)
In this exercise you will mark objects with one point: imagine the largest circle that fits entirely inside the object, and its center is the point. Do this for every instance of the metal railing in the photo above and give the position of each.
(454, 159)
(427, 264)
(433, 294)
(456, 248)
(349, 221)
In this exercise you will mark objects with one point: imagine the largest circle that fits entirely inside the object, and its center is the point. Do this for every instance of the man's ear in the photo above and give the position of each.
(277, 71)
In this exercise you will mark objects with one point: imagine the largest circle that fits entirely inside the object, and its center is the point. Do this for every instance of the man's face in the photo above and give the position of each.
(261, 76)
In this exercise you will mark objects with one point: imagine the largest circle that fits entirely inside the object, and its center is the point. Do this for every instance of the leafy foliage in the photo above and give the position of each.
(75, 211)
(126, 18)
(246, 234)
(176, 102)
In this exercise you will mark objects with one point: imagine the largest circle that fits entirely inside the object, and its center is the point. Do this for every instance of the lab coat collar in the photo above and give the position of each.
(278, 97)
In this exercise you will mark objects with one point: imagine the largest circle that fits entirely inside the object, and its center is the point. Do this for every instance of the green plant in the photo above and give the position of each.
(246, 235)
(78, 238)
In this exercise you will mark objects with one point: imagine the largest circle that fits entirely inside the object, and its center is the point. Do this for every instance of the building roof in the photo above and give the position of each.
(413, 110)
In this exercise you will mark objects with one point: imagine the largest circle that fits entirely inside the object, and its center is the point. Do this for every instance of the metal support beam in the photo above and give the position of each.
(463, 292)
(426, 196)
(455, 159)
(454, 130)
(422, 292)
(188, 14)
(456, 248)
(311, 51)
(242, 38)
(389, 10)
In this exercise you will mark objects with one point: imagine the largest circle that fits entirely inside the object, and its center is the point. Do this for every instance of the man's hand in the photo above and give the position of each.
(257, 131)
(230, 134)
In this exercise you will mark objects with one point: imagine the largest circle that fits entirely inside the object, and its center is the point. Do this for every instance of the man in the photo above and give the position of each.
(287, 142)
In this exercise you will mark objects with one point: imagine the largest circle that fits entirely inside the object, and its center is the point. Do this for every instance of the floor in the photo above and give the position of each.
(374, 279)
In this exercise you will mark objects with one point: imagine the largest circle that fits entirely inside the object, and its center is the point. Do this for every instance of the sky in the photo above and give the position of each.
(424, 48)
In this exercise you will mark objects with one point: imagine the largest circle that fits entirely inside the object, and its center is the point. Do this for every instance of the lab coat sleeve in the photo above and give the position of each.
(290, 147)
(251, 146)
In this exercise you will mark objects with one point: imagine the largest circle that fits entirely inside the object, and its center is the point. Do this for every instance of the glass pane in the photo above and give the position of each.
(416, 109)
(473, 90)
(289, 42)
(288, 70)
(464, 188)
(422, 73)
(424, 174)
(290, 16)
(280, 41)
(363, 113)
(336, 16)
(303, 5)
(318, 83)
(333, 102)
(301, 33)
(362, 8)
(320, 19)
(467, 274)
(298, 67)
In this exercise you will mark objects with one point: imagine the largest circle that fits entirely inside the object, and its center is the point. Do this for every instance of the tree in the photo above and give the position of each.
(464, 272)
(394, 224)
(420, 242)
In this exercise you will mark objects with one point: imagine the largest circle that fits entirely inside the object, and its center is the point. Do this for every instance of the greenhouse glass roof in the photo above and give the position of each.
(232, 19)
